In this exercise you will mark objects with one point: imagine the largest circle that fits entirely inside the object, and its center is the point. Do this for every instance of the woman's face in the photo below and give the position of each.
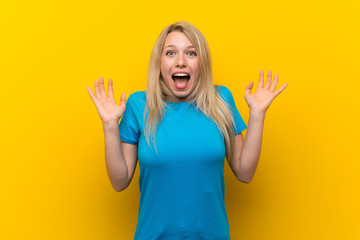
(179, 65)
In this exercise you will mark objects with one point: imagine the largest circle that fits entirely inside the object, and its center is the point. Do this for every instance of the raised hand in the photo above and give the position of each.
(106, 106)
(263, 96)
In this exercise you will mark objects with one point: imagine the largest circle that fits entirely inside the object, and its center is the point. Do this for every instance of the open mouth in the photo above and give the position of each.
(181, 80)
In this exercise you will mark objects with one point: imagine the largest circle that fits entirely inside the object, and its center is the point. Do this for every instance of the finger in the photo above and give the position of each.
(249, 87)
(277, 92)
(261, 79)
(122, 99)
(102, 88)
(273, 85)
(268, 81)
(93, 97)
(110, 89)
(97, 90)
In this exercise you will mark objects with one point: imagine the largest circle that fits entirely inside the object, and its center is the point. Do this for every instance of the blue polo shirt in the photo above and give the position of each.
(182, 185)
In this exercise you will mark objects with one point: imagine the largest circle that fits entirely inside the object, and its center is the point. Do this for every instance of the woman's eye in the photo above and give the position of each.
(170, 53)
(192, 53)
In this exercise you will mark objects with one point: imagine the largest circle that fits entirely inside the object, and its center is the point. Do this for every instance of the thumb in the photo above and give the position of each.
(122, 99)
(249, 87)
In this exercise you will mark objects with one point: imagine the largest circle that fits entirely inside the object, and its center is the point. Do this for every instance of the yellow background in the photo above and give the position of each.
(54, 183)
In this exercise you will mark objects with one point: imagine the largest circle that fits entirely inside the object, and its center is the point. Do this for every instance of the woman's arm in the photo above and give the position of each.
(247, 152)
(120, 157)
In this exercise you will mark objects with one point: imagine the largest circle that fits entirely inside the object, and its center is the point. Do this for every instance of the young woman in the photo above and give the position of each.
(181, 129)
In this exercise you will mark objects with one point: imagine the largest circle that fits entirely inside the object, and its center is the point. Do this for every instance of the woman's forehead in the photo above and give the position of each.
(177, 39)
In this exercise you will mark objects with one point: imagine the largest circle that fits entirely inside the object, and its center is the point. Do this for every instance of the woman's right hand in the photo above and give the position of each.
(107, 108)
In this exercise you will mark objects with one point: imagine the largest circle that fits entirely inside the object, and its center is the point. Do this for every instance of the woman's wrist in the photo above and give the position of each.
(111, 125)
(256, 114)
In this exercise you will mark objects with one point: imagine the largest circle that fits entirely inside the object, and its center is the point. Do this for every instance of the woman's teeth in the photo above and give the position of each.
(180, 75)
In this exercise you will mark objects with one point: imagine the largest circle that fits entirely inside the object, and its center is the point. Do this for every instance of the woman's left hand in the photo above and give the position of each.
(263, 96)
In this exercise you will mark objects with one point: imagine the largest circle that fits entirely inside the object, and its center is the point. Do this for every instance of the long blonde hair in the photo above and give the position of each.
(207, 99)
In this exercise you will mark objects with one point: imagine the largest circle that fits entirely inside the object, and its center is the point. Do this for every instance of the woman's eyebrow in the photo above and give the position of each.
(191, 46)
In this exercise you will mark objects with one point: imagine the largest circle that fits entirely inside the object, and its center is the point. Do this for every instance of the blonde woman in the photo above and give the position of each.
(181, 129)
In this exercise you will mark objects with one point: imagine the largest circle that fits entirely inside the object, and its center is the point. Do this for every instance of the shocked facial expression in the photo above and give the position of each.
(179, 65)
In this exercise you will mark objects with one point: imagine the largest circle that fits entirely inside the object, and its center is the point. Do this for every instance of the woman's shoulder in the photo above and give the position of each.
(137, 99)
(137, 96)
(223, 91)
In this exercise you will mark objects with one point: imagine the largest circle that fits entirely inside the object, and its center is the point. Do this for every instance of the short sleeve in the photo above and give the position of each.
(129, 126)
(228, 97)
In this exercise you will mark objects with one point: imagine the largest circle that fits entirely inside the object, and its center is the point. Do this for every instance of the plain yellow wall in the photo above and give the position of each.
(53, 178)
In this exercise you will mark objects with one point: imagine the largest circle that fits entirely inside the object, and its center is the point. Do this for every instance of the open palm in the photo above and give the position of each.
(106, 106)
(263, 96)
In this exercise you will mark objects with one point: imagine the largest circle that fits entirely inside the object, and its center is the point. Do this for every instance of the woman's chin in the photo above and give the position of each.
(180, 96)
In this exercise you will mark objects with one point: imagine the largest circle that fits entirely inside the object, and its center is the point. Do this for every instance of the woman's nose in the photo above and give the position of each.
(180, 61)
